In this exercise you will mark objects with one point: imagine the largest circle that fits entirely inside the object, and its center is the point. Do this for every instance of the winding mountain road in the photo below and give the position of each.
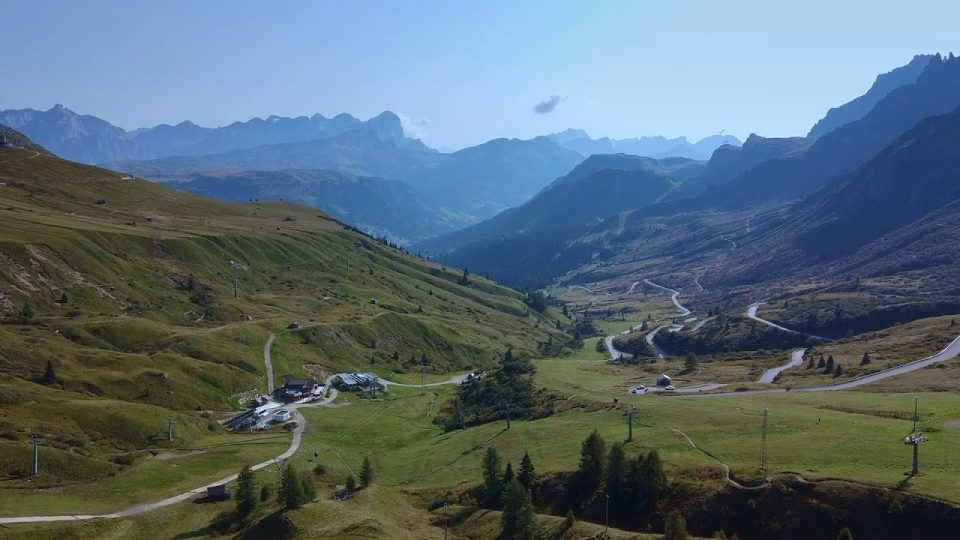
(796, 358)
(673, 297)
(752, 314)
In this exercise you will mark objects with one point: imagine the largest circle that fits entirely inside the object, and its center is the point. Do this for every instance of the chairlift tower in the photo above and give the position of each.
(235, 268)
(36, 442)
(631, 410)
(915, 440)
(169, 424)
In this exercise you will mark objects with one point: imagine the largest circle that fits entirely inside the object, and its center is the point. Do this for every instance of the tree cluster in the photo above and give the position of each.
(512, 493)
(634, 486)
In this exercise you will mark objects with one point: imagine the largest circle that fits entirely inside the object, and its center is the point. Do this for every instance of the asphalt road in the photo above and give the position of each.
(187, 495)
(752, 314)
(796, 358)
(267, 364)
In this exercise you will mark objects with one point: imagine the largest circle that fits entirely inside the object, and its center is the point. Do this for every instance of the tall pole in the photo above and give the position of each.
(916, 400)
(763, 441)
(630, 412)
(606, 514)
(169, 425)
(36, 442)
(422, 381)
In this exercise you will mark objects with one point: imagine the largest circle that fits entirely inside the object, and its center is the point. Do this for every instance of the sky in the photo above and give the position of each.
(462, 72)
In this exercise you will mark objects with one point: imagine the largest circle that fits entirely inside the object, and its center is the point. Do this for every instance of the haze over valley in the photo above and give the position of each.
(678, 270)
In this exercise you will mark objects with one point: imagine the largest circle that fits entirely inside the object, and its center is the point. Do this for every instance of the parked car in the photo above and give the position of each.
(282, 415)
(639, 389)
(294, 326)
(671, 388)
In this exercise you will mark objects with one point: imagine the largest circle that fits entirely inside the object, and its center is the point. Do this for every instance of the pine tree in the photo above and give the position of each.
(616, 473)
(492, 477)
(308, 488)
(527, 473)
(865, 360)
(691, 362)
(844, 534)
(838, 371)
(26, 313)
(592, 458)
(264, 492)
(50, 376)
(508, 474)
(63, 299)
(366, 472)
(810, 363)
(821, 363)
(675, 527)
(291, 493)
(517, 518)
(829, 366)
(246, 492)
(351, 483)
(649, 483)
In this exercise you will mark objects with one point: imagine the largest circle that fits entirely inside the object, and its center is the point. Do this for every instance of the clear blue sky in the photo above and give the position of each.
(462, 72)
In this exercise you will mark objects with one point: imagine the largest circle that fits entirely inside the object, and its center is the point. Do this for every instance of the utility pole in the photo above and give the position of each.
(169, 425)
(606, 514)
(914, 440)
(36, 442)
(916, 400)
(446, 519)
(235, 267)
(629, 414)
(423, 382)
(763, 441)
(508, 404)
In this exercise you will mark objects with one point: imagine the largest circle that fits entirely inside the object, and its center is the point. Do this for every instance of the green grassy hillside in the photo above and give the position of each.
(124, 289)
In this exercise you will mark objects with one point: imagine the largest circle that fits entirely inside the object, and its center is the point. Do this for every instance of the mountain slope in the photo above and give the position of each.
(124, 287)
(11, 138)
(379, 207)
(937, 91)
(598, 187)
(485, 179)
(860, 106)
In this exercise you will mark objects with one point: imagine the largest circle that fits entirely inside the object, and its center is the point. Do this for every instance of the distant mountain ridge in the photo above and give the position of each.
(379, 207)
(478, 181)
(88, 139)
(655, 147)
(859, 107)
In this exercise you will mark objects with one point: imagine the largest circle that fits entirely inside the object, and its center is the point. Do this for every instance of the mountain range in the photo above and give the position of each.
(656, 147)
(88, 139)
(763, 173)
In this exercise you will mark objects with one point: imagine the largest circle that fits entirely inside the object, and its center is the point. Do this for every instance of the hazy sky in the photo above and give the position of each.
(463, 72)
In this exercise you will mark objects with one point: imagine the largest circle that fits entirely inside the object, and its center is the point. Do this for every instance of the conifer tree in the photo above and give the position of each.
(527, 473)
(675, 527)
(517, 517)
(246, 492)
(492, 477)
(366, 472)
(508, 474)
(865, 360)
(592, 457)
(291, 493)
